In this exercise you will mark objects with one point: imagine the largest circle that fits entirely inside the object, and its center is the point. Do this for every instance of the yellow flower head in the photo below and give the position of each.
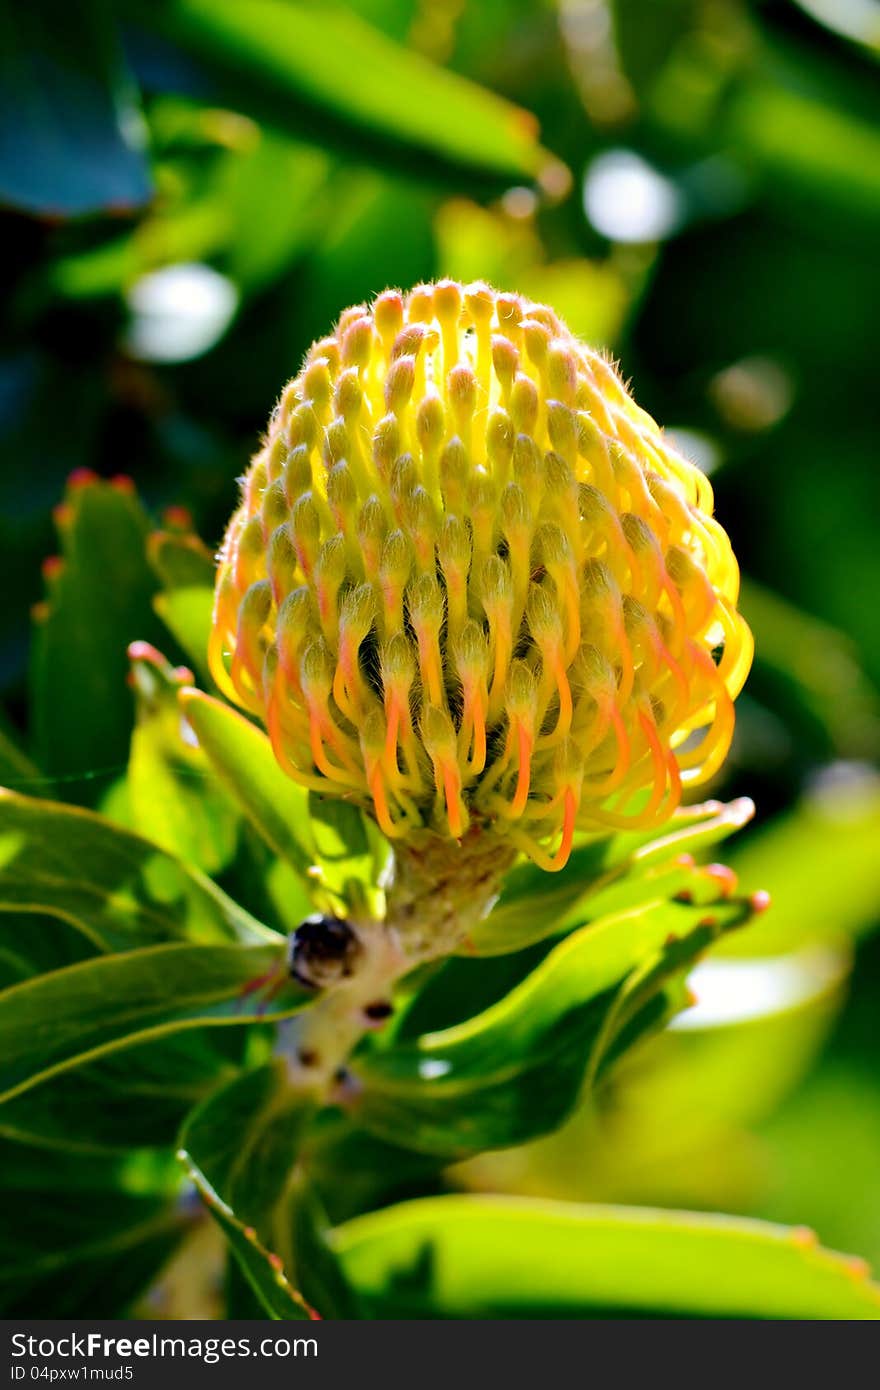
(469, 581)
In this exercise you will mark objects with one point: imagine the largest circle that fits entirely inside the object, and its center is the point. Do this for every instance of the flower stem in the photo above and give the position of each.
(439, 890)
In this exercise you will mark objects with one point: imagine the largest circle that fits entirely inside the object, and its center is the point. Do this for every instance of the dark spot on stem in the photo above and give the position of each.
(378, 1010)
(322, 951)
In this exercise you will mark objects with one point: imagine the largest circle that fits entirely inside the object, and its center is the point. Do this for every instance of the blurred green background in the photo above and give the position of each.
(192, 191)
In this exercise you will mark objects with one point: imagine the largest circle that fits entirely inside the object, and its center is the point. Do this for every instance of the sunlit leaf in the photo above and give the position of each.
(242, 757)
(349, 851)
(466, 1257)
(180, 560)
(116, 888)
(184, 567)
(467, 984)
(174, 796)
(294, 64)
(186, 612)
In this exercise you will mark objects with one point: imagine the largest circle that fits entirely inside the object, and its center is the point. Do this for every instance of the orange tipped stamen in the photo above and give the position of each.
(524, 743)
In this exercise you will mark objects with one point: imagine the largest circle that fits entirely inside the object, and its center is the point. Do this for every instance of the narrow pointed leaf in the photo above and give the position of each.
(262, 1268)
(821, 860)
(465, 985)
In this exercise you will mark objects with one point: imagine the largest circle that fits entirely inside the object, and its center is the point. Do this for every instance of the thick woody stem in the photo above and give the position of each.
(440, 889)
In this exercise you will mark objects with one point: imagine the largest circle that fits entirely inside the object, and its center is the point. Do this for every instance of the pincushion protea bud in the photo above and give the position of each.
(470, 581)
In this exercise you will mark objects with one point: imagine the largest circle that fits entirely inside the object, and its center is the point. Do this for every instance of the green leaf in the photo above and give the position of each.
(812, 669)
(531, 908)
(289, 182)
(791, 114)
(804, 145)
(467, 1257)
(70, 1017)
(321, 1277)
(15, 766)
(187, 614)
(519, 1068)
(822, 864)
(31, 944)
(354, 1171)
(321, 68)
(181, 560)
(467, 984)
(645, 35)
(184, 567)
(174, 797)
(99, 600)
(263, 1270)
(71, 137)
(259, 201)
(81, 1234)
(133, 1099)
(245, 1138)
(242, 757)
(349, 852)
(116, 888)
